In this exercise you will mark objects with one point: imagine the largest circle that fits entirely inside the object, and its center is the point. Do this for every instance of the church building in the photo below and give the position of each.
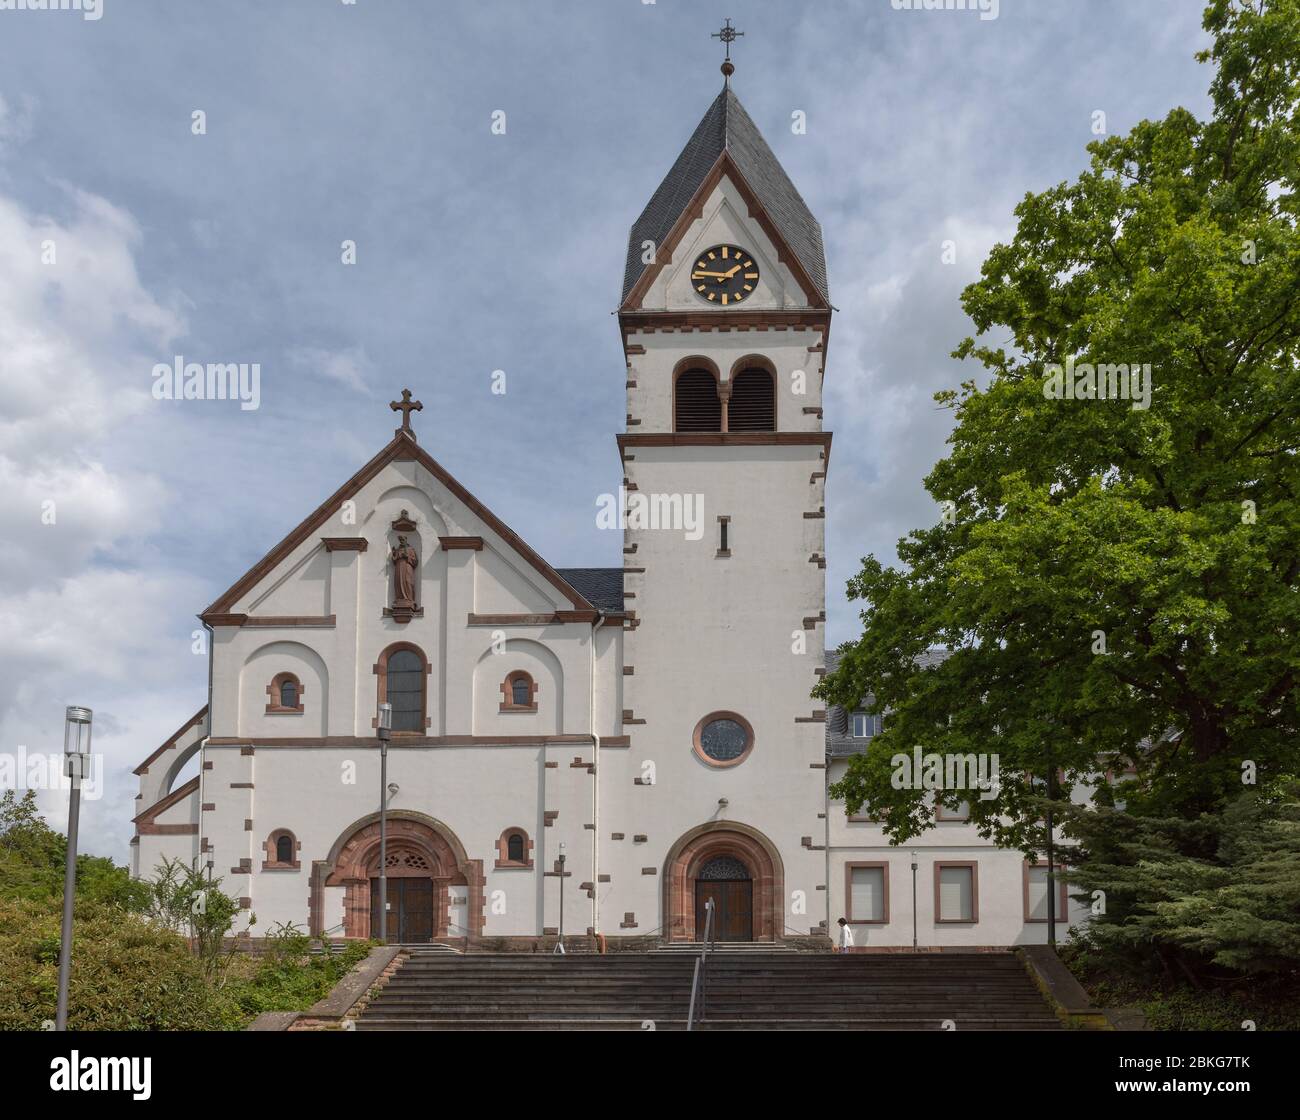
(586, 750)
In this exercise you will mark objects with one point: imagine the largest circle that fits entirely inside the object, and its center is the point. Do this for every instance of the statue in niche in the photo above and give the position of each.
(404, 561)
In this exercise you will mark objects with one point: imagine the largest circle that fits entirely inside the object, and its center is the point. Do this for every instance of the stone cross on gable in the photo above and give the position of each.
(406, 406)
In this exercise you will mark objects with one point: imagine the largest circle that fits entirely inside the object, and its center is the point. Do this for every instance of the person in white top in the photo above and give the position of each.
(846, 936)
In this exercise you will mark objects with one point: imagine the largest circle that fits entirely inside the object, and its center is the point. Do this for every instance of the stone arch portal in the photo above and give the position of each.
(420, 849)
(706, 845)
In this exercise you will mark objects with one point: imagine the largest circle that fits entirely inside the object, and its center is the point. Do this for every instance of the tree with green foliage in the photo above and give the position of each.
(1233, 908)
(1118, 584)
(32, 856)
(188, 901)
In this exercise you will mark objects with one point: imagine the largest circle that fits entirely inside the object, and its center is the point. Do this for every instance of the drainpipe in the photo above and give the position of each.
(203, 746)
(595, 785)
(826, 822)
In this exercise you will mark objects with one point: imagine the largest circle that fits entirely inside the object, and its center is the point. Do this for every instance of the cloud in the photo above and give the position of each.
(16, 121)
(351, 367)
(88, 606)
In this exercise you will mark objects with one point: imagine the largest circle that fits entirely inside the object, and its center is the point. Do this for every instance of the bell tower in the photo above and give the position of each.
(725, 314)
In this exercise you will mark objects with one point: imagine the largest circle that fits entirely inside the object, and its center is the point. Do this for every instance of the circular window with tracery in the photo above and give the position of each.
(723, 738)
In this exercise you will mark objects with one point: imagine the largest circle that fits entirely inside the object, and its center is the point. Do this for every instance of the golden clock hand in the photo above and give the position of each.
(718, 275)
(729, 275)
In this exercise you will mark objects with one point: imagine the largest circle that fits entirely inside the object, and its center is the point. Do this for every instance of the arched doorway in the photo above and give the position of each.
(425, 863)
(740, 869)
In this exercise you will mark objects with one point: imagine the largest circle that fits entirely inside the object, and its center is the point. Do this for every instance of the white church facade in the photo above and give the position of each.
(594, 749)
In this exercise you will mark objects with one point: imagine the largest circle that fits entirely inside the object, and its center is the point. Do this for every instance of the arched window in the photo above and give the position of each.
(284, 694)
(752, 406)
(403, 672)
(519, 693)
(514, 849)
(722, 868)
(281, 850)
(695, 402)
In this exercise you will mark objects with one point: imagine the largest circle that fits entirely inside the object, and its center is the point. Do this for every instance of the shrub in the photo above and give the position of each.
(127, 974)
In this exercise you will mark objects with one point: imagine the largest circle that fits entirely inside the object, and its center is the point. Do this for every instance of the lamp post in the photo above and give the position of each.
(385, 732)
(913, 900)
(1051, 885)
(76, 751)
(559, 944)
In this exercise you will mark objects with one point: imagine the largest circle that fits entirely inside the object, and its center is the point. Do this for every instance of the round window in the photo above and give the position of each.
(723, 738)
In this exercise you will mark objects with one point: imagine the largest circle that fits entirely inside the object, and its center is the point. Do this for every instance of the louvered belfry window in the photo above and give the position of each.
(697, 405)
(752, 407)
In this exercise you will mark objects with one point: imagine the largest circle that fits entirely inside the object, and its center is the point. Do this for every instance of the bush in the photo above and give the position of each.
(126, 973)
(288, 977)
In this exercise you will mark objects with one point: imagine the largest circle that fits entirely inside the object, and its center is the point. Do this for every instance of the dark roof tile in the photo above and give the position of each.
(727, 127)
(601, 587)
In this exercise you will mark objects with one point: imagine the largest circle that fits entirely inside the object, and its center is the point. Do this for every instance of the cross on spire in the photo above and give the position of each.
(728, 35)
(406, 406)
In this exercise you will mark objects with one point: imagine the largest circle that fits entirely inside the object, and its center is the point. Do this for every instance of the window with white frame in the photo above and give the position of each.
(865, 725)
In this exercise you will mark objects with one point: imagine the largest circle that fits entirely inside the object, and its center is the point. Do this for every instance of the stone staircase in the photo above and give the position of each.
(750, 990)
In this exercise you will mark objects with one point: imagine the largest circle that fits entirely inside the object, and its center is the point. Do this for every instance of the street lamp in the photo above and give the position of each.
(559, 945)
(76, 751)
(1049, 825)
(385, 732)
(913, 900)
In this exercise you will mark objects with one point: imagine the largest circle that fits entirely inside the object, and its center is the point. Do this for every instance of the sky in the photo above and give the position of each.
(127, 238)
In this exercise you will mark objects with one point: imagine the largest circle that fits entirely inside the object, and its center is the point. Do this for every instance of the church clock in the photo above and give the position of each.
(724, 275)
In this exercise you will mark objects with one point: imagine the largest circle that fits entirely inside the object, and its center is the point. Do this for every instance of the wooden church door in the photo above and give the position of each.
(410, 910)
(727, 881)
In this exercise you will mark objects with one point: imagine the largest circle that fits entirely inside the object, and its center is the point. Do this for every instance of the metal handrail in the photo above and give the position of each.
(701, 964)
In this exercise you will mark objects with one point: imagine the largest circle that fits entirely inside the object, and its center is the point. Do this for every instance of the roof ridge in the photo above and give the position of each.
(399, 447)
(727, 130)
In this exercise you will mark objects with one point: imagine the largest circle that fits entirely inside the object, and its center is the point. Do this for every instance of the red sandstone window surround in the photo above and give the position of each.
(723, 739)
(403, 674)
(874, 873)
(519, 692)
(956, 892)
(514, 849)
(284, 695)
(281, 849)
(1035, 893)
(945, 813)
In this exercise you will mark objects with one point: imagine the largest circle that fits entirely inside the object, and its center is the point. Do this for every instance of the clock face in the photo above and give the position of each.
(724, 275)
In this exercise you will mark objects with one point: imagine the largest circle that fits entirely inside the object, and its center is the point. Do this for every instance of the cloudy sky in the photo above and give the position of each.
(370, 121)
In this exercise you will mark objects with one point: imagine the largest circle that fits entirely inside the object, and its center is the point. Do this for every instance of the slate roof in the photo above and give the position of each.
(727, 127)
(601, 587)
(840, 743)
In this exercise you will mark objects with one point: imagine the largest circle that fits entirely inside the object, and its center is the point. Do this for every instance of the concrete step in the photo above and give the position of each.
(748, 989)
(679, 1024)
